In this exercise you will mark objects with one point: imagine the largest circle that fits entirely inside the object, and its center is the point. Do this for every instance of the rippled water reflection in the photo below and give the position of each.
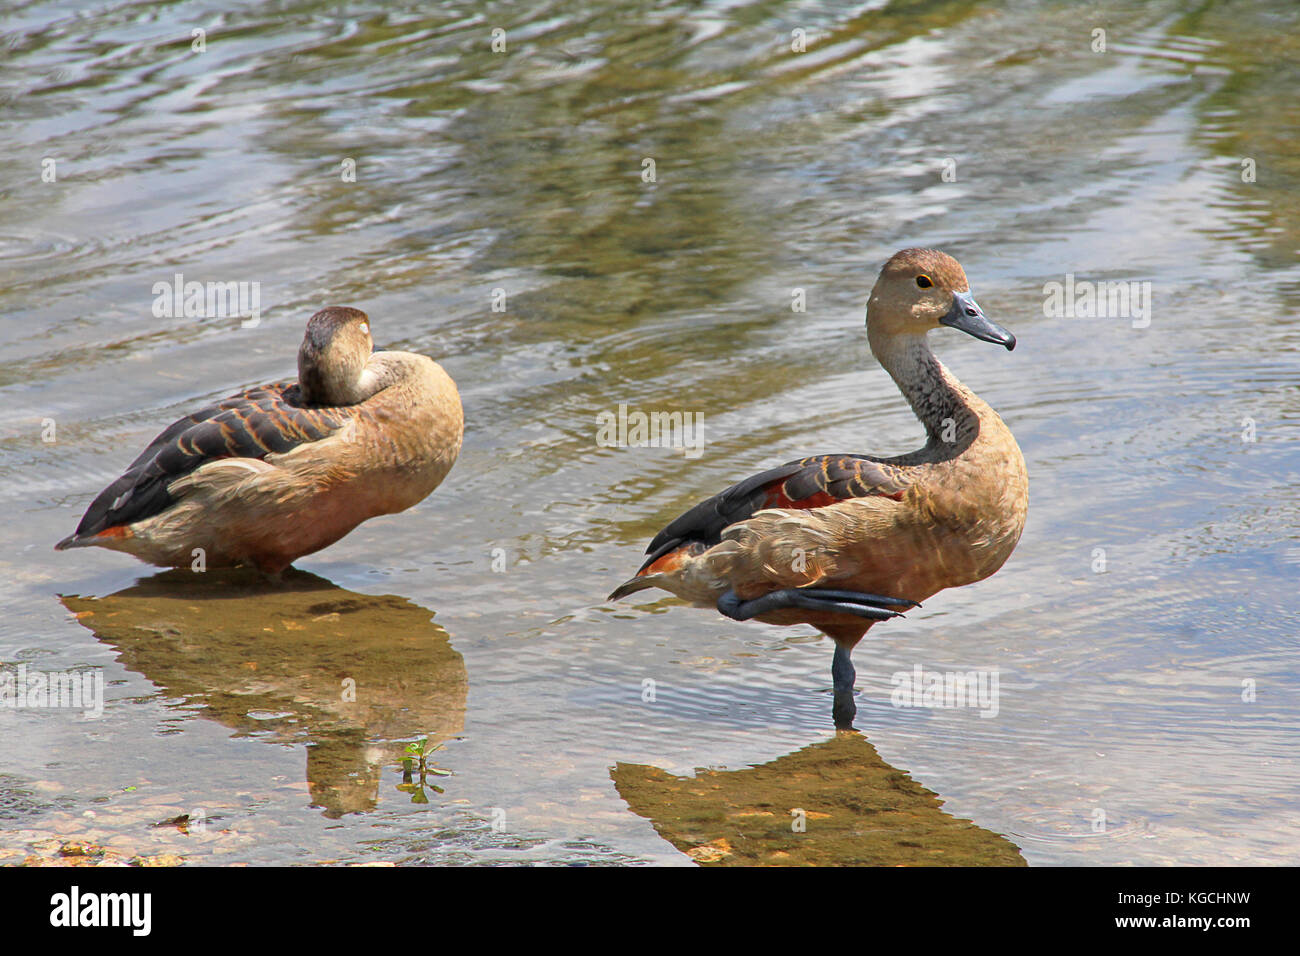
(1121, 691)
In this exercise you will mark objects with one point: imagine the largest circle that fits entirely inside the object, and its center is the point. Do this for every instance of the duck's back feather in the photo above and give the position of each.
(806, 483)
(253, 424)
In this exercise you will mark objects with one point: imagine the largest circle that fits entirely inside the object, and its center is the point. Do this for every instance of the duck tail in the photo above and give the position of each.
(79, 539)
(73, 541)
(630, 586)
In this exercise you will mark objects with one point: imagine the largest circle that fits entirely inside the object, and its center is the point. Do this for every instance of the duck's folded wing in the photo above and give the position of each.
(807, 483)
(253, 424)
(282, 391)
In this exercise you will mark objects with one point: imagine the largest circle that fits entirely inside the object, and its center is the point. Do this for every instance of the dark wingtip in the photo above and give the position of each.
(631, 586)
(80, 539)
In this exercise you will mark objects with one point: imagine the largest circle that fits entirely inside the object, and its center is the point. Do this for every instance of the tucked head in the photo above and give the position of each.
(920, 289)
(332, 356)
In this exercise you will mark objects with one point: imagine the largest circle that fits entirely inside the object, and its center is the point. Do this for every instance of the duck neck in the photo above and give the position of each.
(338, 385)
(944, 406)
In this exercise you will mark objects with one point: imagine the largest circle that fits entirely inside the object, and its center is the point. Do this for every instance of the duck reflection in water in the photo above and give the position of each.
(354, 677)
(833, 803)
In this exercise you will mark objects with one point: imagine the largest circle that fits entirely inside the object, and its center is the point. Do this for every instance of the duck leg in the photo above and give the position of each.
(843, 710)
(871, 606)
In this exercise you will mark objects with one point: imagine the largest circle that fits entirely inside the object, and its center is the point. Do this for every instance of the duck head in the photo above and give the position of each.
(333, 356)
(921, 289)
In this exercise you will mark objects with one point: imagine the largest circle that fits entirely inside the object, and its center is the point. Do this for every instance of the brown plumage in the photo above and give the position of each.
(842, 541)
(283, 470)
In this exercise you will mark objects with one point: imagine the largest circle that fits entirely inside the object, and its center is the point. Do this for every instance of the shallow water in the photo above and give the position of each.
(1121, 734)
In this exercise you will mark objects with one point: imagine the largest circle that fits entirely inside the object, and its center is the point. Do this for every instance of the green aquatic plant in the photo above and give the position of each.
(416, 760)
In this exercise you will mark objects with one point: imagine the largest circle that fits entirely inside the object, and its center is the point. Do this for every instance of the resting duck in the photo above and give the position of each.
(274, 473)
(844, 541)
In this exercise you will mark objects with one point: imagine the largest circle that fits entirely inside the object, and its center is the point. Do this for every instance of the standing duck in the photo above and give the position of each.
(844, 541)
(274, 473)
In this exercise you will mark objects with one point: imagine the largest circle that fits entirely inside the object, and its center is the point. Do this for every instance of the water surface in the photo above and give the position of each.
(1154, 586)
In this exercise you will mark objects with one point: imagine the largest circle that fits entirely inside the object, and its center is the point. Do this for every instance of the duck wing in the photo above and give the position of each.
(269, 419)
(807, 483)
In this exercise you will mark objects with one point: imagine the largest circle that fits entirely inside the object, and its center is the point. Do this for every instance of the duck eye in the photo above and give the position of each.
(924, 282)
